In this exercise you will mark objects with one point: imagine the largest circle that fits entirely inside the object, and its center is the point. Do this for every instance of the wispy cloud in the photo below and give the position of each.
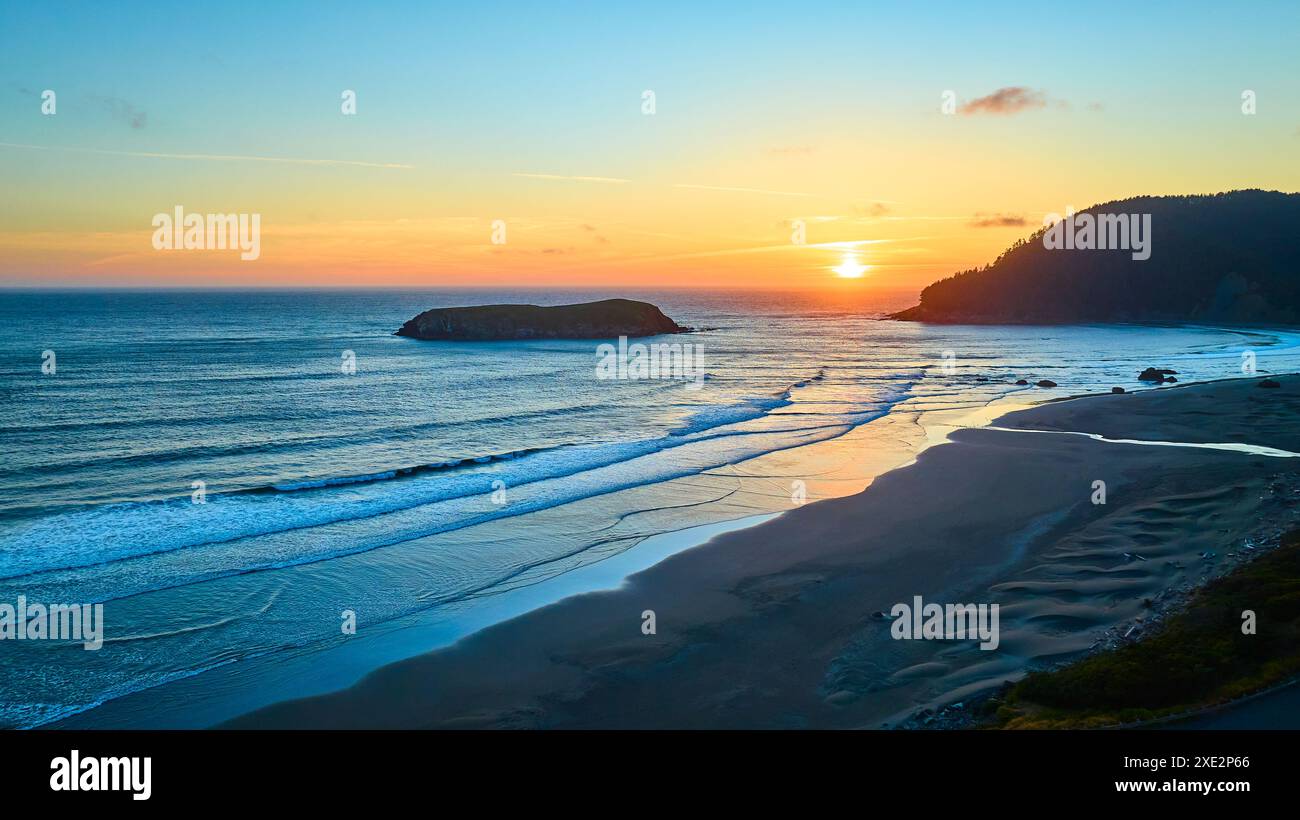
(998, 221)
(122, 110)
(1006, 101)
(875, 209)
(563, 178)
(922, 217)
(737, 190)
(205, 157)
(786, 247)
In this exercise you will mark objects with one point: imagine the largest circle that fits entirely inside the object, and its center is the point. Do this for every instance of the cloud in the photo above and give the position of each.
(785, 247)
(595, 235)
(875, 209)
(122, 110)
(1006, 101)
(210, 157)
(562, 178)
(998, 221)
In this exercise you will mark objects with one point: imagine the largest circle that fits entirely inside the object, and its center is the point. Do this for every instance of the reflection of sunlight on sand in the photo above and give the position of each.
(849, 464)
(939, 423)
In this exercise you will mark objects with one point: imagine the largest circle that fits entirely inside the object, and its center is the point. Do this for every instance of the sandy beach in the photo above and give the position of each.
(774, 627)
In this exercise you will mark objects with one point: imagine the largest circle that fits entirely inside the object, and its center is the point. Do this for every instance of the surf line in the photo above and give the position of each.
(1249, 449)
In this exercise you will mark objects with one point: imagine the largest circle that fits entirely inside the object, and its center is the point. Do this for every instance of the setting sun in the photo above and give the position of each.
(850, 268)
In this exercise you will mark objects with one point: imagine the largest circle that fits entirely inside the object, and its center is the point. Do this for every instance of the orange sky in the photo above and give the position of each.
(464, 118)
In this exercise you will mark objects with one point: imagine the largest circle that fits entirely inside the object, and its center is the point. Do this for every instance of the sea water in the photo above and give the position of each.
(231, 473)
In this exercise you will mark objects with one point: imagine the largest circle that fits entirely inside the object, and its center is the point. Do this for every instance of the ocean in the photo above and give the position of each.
(232, 473)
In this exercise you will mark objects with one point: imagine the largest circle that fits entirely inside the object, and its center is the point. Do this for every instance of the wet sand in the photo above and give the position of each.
(773, 626)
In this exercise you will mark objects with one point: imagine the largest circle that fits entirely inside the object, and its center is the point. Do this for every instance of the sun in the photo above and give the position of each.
(850, 268)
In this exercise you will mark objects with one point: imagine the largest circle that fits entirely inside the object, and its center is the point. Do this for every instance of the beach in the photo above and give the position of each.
(526, 373)
(777, 625)
(229, 484)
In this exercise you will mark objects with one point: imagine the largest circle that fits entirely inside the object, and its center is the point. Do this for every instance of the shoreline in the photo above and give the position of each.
(406, 641)
(727, 595)
(227, 691)
(189, 701)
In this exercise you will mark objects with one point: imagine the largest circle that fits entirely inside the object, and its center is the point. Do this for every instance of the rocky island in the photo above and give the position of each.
(605, 319)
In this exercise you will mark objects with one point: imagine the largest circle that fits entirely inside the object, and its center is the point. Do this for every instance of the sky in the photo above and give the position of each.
(528, 124)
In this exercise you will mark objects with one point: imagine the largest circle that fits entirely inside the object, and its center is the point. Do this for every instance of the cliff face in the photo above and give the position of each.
(606, 319)
(1227, 258)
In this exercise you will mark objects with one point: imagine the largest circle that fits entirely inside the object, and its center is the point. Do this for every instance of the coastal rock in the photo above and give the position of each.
(1117, 390)
(1151, 374)
(1046, 383)
(1022, 382)
(1270, 383)
(606, 319)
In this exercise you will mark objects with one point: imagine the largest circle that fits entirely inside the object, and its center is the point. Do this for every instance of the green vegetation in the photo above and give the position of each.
(1227, 257)
(1199, 658)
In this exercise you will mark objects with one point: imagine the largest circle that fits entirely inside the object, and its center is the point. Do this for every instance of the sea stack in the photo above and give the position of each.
(606, 319)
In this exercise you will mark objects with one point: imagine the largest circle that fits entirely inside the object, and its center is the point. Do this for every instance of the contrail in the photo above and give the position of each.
(214, 157)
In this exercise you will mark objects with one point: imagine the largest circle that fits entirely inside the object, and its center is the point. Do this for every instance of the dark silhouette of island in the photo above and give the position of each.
(1229, 258)
(606, 319)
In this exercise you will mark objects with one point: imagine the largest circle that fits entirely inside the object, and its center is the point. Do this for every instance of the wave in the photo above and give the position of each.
(399, 472)
(118, 532)
(282, 444)
(114, 580)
